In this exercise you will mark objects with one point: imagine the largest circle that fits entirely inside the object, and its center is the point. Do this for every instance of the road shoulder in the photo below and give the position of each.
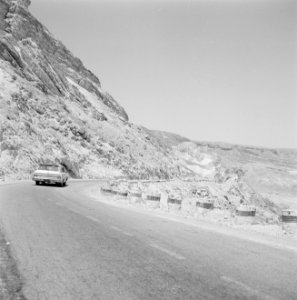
(10, 279)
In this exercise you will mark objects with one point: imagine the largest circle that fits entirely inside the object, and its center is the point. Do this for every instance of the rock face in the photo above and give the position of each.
(54, 109)
(30, 48)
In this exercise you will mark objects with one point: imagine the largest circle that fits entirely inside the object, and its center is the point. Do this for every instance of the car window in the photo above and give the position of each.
(42, 167)
(49, 168)
(53, 168)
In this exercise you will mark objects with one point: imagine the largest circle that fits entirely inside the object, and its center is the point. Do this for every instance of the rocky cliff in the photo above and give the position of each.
(54, 109)
(37, 56)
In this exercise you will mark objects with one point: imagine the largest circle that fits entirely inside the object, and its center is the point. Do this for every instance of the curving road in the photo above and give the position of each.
(69, 246)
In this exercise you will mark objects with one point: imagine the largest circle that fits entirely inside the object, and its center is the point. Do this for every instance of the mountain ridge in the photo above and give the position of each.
(30, 47)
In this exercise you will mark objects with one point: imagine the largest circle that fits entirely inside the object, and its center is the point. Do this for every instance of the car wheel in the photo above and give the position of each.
(37, 182)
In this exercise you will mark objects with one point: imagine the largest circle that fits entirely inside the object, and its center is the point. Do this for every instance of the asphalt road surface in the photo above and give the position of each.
(69, 246)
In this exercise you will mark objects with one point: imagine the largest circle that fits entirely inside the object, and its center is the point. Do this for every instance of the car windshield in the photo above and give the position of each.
(48, 167)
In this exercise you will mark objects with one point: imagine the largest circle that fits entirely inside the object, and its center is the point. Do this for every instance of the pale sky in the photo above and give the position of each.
(211, 70)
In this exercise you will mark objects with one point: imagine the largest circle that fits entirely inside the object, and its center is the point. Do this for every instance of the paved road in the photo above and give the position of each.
(71, 247)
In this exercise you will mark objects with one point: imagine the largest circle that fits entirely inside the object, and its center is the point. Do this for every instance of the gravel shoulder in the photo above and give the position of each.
(10, 279)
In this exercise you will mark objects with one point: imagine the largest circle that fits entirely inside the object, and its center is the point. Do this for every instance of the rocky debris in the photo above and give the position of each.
(185, 195)
(218, 201)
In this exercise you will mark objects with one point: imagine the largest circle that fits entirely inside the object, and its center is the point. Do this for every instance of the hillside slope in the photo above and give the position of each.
(54, 109)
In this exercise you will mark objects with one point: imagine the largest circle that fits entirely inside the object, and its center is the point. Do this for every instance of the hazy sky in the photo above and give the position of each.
(211, 70)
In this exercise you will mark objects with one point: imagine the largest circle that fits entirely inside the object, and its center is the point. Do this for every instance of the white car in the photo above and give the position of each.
(51, 174)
